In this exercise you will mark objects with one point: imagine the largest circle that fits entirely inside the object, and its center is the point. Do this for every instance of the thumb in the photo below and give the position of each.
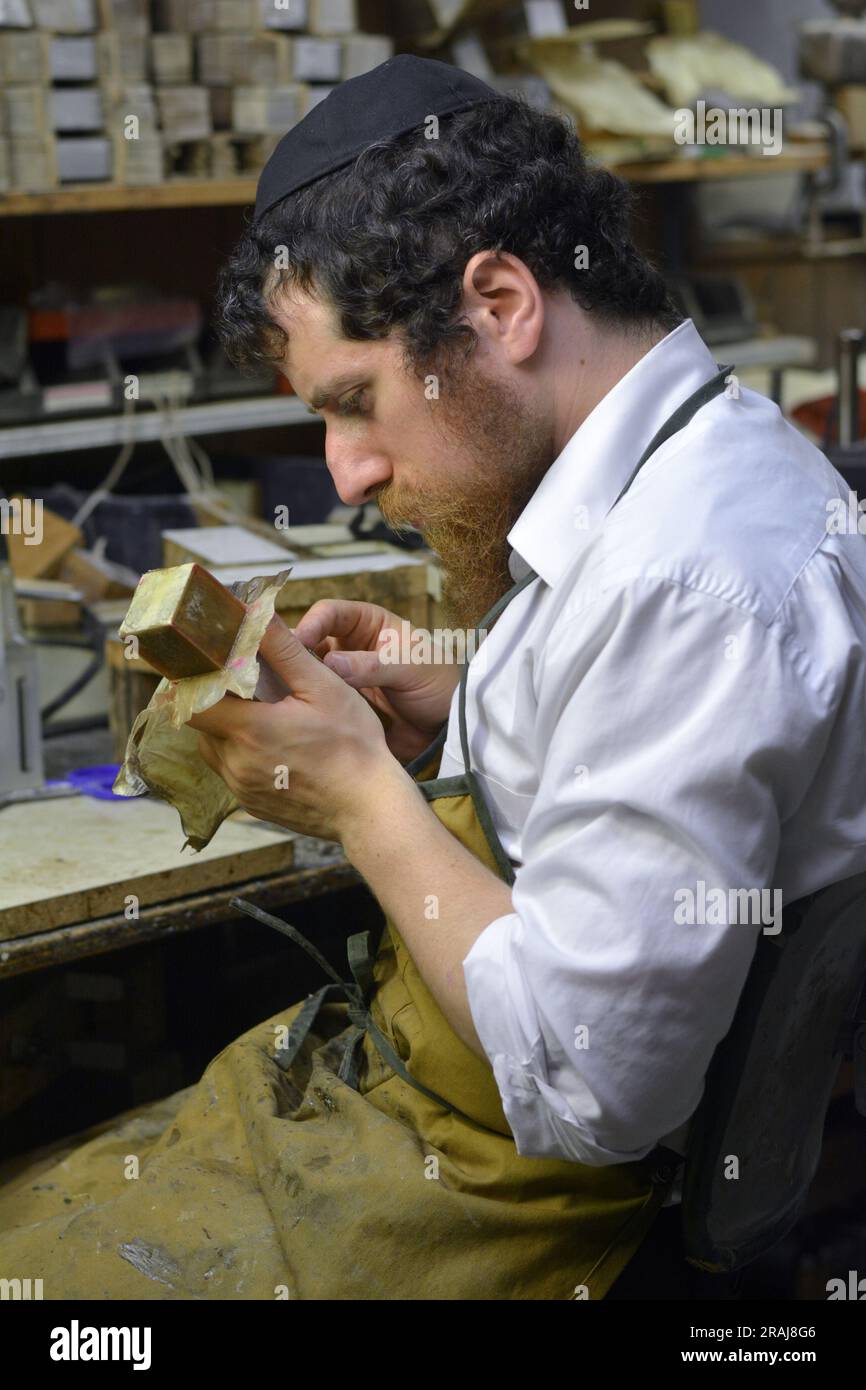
(288, 657)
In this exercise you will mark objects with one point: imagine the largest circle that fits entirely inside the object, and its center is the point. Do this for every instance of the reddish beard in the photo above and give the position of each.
(466, 520)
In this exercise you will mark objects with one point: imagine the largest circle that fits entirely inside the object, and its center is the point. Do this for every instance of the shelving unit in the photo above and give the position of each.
(263, 412)
(179, 193)
(214, 417)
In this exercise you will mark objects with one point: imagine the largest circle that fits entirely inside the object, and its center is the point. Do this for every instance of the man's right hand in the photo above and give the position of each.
(349, 637)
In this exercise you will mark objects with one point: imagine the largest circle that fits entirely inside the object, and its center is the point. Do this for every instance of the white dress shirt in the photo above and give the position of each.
(678, 700)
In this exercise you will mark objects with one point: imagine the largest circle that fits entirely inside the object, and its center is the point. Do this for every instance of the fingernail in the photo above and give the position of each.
(341, 664)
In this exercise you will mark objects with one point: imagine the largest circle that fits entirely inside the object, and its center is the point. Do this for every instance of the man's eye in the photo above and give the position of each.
(352, 405)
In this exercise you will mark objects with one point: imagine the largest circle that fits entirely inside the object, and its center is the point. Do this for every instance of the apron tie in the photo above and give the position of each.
(358, 992)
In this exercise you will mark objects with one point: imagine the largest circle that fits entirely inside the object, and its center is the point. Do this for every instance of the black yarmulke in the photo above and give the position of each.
(390, 100)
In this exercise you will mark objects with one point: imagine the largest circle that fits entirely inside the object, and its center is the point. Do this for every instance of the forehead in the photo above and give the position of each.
(317, 351)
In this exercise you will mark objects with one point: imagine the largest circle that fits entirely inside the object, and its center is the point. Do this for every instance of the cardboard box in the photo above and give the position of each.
(33, 163)
(316, 60)
(84, 159)
(229, 59)
(73, 58)
(76, 108)
(140, 161)
(333, 17)
(285, 14)
(25, 57)
(171, 57)
(363, 52)
(121, 57)
(55, 539)
(66, 16)
(128, 101)
(16, 14)
(224, 155)
(268, 110)
(133, 16)
(97, 578)
(27, 111)
(184, 112)
(201, 16)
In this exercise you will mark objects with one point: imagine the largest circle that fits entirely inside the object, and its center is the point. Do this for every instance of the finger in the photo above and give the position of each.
(333, 617)
(227, 718)
(366, 669)
(328, 644)
(288, 657)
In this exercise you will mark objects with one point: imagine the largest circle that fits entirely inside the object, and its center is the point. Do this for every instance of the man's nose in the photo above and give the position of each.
(355, 472)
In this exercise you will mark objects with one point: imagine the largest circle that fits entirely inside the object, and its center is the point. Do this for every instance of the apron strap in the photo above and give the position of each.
(418, 764)
(680, 418)
(358, 992)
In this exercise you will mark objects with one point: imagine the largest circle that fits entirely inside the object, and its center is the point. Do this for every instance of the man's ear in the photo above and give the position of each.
(504, 303)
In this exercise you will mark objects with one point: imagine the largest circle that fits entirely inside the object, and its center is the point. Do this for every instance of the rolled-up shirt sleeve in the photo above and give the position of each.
(675, 732)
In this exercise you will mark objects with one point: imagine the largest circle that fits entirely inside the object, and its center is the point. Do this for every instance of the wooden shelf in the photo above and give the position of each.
(728, 166)
(115, 197)
(188, 193)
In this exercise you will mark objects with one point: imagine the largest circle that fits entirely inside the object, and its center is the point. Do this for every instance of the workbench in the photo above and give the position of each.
(69, 866)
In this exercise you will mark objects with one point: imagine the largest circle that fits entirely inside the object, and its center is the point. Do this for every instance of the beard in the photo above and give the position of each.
(507, 449)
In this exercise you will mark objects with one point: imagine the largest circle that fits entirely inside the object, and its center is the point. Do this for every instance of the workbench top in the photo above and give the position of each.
(70, 868)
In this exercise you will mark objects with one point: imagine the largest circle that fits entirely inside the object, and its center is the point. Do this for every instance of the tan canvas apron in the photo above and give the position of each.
(339, 1150)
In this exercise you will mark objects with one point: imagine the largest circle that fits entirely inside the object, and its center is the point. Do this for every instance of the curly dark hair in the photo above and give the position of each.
(386, 240)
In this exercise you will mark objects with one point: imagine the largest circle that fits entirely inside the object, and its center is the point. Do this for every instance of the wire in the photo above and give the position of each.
(70, 691)
(95, 640)
(76, 726)
(113, 475)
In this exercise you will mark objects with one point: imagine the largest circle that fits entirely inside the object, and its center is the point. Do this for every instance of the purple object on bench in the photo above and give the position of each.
(97, 781)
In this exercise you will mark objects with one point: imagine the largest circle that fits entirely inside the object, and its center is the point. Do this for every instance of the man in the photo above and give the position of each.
(668, 704)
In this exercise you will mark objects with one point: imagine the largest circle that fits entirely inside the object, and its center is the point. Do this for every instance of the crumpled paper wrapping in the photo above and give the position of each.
(602, 93)
(693, 65)
(162, 755)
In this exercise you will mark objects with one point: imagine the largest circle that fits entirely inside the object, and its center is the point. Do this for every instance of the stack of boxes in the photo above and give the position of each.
(57, 81)
(137, 90)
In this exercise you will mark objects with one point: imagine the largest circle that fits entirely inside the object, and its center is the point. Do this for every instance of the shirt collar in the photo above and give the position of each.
(582, 484)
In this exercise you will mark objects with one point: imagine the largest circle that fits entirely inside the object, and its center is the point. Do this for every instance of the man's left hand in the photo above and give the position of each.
(312, 761)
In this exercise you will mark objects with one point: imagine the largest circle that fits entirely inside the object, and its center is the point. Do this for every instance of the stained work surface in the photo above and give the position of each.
(77, 858)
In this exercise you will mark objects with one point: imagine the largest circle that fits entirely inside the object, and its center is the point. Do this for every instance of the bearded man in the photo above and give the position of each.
(669, 696)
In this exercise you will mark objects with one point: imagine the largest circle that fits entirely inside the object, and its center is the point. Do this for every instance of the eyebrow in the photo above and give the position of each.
(332, 389)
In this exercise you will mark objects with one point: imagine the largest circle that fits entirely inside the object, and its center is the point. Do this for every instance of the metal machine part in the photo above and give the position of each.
(851, 341)
(833, 51)
(20, 724)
